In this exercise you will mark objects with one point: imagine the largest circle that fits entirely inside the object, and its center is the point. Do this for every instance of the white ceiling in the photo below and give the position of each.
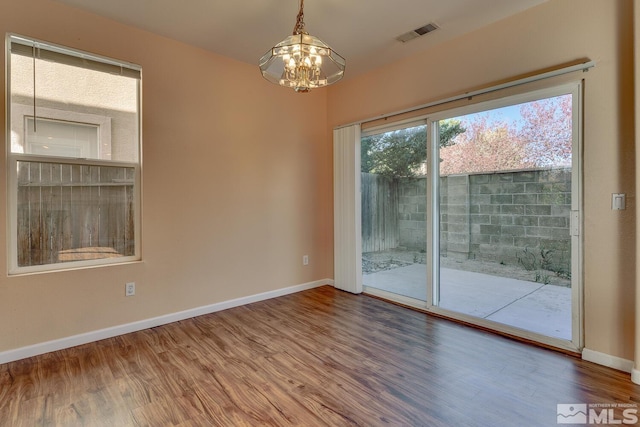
(362, 31)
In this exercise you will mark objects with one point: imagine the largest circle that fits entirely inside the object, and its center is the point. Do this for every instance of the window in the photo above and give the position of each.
(73, 158)
(64, 139)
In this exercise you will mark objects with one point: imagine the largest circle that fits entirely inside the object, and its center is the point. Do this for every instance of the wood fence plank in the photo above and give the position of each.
(65, 207)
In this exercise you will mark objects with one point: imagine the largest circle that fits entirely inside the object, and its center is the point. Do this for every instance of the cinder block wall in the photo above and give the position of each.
(492, 217)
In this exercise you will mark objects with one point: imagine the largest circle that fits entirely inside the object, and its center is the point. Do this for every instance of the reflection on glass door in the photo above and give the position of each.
(394, 209)
(503, 216)
(394, 203)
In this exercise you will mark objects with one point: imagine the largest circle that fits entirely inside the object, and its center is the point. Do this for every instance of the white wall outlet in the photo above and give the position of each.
(305, 260)
(130, 289)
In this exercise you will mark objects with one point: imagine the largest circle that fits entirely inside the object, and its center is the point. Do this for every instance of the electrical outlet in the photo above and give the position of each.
(305, 260)
(130, 289)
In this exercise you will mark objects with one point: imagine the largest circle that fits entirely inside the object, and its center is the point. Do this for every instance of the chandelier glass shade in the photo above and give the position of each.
(302, 61)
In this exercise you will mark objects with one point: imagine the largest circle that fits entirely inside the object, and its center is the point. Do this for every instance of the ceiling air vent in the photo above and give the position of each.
(417, 32)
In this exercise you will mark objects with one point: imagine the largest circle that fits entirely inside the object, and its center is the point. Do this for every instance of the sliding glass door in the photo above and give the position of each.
(474, 213)
(394, 211)
(504, 215)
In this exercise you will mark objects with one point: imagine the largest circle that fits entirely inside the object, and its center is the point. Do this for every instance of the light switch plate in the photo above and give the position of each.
(618, 201)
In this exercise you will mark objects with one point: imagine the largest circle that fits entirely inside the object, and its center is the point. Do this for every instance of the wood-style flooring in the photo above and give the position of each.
(319, 357)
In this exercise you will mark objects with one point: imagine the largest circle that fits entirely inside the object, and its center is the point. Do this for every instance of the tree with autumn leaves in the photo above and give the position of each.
(540, 137)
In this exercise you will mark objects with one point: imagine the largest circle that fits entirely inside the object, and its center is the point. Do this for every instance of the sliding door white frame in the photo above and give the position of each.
(347, 212)
(433, 226)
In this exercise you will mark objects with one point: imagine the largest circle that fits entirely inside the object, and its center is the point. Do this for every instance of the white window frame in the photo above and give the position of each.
(18, 113)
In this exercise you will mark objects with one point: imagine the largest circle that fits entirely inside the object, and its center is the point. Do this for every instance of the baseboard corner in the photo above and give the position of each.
(607, 360)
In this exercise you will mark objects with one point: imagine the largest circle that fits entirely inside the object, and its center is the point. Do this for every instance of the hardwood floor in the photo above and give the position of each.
(319, 357)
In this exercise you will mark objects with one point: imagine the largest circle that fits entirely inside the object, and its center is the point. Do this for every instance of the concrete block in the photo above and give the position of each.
(526, 242)
(527, 176)
(525, 199)
(502, 199)
(480, 199)
(458, 238)
(505, 177)
(512, 188)
(458, 247)
(527, 221)
(513, 230)
(534, 188)
(554, 221)
(504, 241)
(512, 209)
(490, 229)
(484, 189)
(553, 232)
(480, 219)
(491, 209)
(459, 228)
(537, 210)
(478, 239)
(551, 198)
(479, 179)
(555, 175)
(458, 180)
(561, 210)
(502, 219)
(458, 209)
(458, 199)
(458, 219)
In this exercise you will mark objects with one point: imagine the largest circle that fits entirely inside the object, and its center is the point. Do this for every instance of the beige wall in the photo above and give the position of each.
(555, 33)
(232, 199)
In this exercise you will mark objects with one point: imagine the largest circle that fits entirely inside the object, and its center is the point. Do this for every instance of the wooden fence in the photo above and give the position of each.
(379, 213)
(71, 212)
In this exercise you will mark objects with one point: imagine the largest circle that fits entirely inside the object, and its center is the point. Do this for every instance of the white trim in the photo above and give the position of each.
(75, 340)
(610, 361)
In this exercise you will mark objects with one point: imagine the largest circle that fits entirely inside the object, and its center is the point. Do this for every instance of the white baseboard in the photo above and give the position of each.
(75, 340)
(607, 360)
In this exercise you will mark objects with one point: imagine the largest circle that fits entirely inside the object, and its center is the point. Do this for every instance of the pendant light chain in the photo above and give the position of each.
(299, 28)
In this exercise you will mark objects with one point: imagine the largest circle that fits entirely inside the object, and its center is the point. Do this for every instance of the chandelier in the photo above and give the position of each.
(302, 61)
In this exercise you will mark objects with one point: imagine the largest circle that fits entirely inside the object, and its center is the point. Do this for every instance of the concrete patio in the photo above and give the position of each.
(536, 307)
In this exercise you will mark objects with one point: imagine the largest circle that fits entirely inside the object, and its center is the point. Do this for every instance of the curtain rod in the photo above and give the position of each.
(584, 66)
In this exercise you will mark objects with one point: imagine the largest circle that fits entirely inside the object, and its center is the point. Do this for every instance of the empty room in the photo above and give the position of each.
(319, 213)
